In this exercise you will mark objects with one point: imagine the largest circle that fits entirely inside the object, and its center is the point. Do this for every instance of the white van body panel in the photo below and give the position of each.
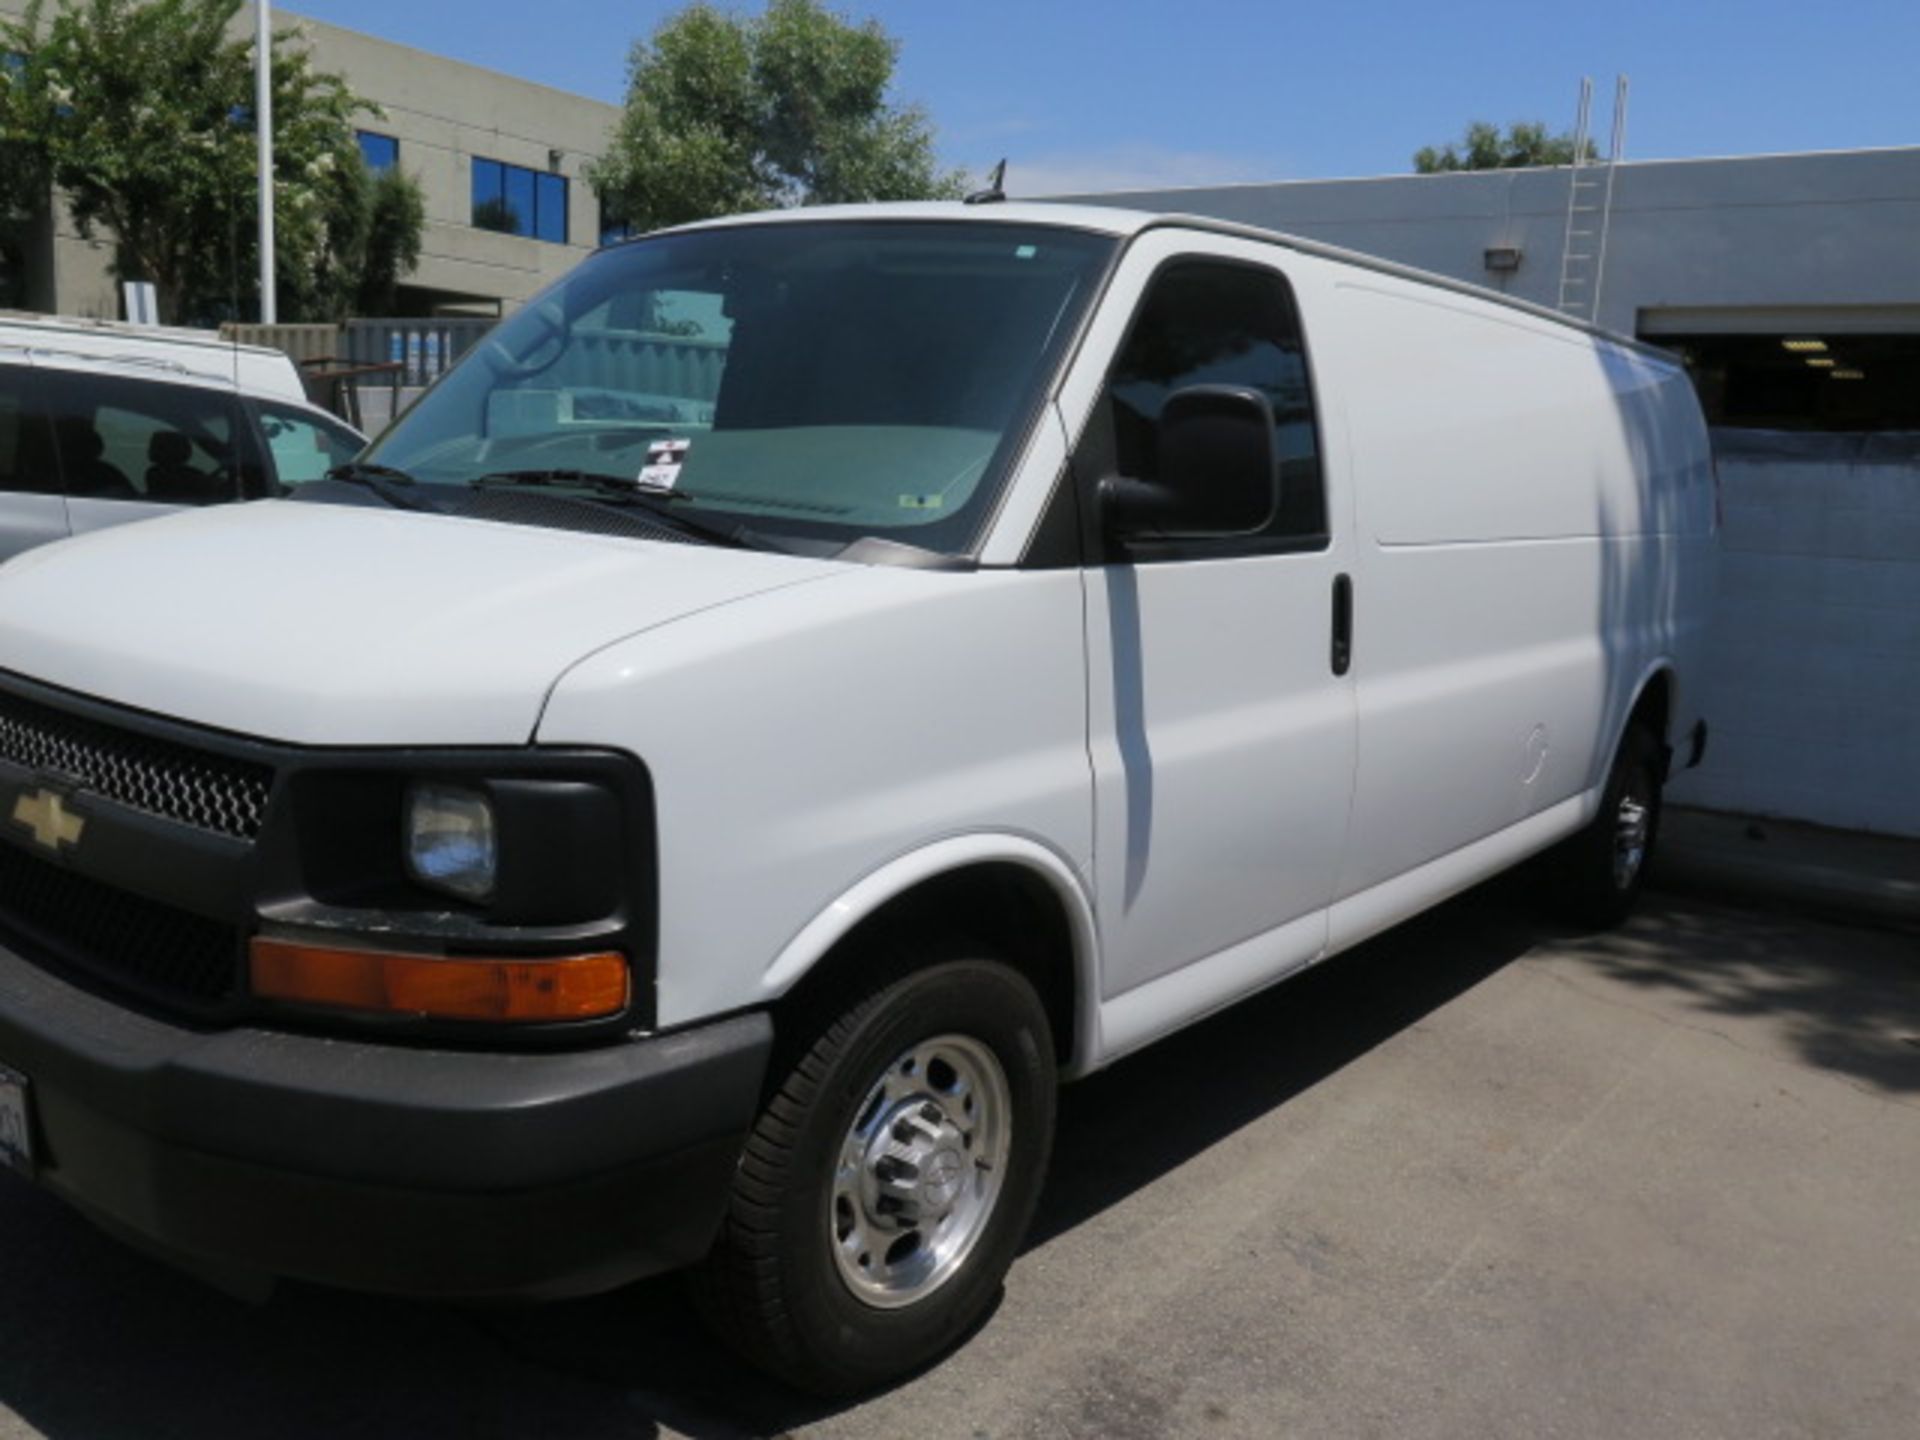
(1524, 510)
(1528, 500)
(947, 857)
(324, 625)
(1222, 746)
(490, 901)
(802, 744)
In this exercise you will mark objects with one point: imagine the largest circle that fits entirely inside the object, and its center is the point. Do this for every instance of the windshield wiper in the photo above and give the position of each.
(622, 490)
(613, 487)
(384, 481)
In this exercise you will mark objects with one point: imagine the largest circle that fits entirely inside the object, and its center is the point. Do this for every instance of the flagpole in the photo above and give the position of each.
(263, 126)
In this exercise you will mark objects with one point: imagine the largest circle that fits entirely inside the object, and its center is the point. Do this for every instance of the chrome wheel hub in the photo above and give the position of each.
(1632, 822)
(920, 1171)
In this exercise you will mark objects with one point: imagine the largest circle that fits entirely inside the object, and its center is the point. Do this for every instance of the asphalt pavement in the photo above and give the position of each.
(1477, 1179)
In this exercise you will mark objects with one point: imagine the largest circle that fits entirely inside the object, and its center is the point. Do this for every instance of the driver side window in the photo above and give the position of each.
(1217, 322)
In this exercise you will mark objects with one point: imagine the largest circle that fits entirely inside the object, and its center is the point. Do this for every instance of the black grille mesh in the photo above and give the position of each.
(117, 935)
(177, 782)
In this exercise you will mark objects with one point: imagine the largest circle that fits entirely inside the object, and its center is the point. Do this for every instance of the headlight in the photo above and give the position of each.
(451, 842)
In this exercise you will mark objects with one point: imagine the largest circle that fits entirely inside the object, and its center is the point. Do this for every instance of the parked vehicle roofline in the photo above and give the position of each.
(1130, 224)
(171, 334)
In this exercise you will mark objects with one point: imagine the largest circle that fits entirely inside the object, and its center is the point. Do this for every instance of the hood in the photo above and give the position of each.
(325, 625)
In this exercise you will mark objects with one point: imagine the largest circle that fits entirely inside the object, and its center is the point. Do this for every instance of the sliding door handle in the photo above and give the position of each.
(1341, 654)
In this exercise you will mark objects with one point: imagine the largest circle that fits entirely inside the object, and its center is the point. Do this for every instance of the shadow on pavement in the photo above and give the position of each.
(1122, 1128)
(1847, 999)
(101, 1344)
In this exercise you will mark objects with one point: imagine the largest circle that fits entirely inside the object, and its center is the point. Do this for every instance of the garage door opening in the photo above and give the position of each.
(1805, 380)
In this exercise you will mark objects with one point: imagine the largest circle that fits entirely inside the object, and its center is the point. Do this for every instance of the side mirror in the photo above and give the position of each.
(1219, 470)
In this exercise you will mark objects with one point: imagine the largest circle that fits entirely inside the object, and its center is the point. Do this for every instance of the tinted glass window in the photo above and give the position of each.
(519, 193)
(141, 440)
(305, 446)
(550, 212)
(381, 152)
(517, 201)
(1206, 323)
(490, 209)
(26, 450)
(822, 381)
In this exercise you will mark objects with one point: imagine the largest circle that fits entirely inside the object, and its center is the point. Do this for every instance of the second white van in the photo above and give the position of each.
(103, 423)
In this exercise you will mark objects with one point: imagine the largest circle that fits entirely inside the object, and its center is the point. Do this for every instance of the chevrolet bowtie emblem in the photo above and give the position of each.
(47, 816)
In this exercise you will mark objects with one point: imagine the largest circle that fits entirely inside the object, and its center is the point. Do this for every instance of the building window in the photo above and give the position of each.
(517, 201)
(381, 152)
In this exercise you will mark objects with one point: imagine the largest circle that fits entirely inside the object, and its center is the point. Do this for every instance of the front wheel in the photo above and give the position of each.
(1599, 873)
(889, 1180)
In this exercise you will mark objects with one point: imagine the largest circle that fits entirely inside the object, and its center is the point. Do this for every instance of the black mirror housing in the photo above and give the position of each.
(1219, 470)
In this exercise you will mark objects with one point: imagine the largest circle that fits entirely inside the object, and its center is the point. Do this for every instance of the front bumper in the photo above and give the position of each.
(254, 1154)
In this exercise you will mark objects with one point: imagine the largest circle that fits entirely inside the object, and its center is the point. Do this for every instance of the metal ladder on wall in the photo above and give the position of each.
(1583, 256)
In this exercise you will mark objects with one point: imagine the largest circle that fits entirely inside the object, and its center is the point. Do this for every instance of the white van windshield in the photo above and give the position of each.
(823, 381)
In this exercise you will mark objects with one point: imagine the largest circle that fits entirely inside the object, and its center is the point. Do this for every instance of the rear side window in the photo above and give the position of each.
(1207, 322)
(26, 451)
(303, 445)
(124, 439)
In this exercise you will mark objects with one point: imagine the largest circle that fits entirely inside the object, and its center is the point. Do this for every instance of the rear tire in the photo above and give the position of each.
(889, 1181)
(1598, 874)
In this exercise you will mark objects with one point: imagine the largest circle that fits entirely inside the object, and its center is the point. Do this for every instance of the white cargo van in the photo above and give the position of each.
(804, 687)
(102, 423)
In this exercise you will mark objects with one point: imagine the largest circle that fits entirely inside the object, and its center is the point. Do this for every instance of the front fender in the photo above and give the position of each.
(898, 877)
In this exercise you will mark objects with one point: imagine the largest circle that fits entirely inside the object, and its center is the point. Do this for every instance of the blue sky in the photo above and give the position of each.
(1093, 94)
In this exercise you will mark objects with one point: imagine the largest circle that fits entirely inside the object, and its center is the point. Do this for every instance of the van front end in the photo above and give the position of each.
(237, 1029)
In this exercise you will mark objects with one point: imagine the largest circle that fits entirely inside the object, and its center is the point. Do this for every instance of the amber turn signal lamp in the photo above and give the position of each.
(567, 987)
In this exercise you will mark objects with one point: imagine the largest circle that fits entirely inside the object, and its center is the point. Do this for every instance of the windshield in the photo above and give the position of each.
(822, 381)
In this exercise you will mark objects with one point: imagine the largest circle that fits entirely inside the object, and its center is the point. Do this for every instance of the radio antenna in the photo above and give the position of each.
(996, 192)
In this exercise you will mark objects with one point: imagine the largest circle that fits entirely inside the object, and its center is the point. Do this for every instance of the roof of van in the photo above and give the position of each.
(198, 357)
(1125, 223)
(123, 330)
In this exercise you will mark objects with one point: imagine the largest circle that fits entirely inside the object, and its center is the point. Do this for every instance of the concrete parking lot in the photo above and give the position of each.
(1477, 1179)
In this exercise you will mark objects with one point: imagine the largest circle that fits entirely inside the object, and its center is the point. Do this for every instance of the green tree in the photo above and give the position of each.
(1485, 147)
(23, 198)
(727, 113)
(369, 237)
(140, 112)
(397, 213)
(498, 215)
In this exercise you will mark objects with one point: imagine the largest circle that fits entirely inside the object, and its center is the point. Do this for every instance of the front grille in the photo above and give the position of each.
(161, 777)
(117, 935)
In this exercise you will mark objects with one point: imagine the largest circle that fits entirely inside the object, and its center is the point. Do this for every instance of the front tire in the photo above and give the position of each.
(889, 1180)
(1599, 873)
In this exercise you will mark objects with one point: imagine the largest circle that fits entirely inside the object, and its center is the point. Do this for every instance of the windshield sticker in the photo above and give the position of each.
(922, 502)
(664, 459)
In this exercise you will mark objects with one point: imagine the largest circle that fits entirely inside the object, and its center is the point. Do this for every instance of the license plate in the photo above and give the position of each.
(16, 1130)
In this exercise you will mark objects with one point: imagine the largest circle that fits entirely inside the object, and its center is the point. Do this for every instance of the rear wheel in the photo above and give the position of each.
(1599, 873)
(889, 1180)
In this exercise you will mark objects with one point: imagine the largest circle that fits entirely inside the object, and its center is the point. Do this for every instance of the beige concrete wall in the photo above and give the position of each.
(83, 282)
(443, 113)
